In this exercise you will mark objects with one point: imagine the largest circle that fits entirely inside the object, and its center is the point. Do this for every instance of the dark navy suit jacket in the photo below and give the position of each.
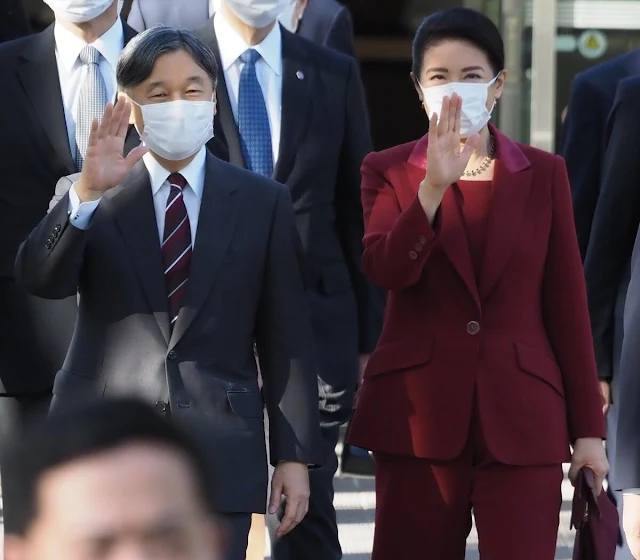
(328, 23)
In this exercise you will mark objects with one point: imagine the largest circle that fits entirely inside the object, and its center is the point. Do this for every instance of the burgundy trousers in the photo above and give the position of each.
(424, 507)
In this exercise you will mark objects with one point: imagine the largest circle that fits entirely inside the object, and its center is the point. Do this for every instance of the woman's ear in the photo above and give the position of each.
(416, 85)
(499, 84)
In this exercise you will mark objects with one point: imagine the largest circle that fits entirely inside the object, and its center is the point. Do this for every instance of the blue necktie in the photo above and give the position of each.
(253, 120)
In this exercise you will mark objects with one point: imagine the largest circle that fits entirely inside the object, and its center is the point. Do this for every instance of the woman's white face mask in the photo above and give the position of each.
(474, 95)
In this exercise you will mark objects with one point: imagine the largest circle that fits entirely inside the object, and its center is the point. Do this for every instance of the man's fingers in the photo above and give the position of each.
(115, 121)
(93, 134)
(124, 119)
(276, 496)
(289, 521)
(105, 124)
(135, 155)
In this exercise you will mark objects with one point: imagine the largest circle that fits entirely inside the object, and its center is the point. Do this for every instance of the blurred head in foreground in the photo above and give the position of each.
(112, 481)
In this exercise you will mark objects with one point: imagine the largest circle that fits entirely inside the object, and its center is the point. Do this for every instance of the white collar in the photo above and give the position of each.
(232, 45)
(193, 173)
(69, 45)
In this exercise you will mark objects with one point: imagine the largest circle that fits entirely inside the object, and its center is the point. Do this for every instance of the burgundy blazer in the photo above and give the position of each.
(517, 344)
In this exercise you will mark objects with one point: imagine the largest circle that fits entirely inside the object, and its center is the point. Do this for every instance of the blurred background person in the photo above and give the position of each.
(325, 22)
(586, 134)
(112, 480)
(295, 111)
(14, 21)
(53, 84)
(615, 227)
(484, 372)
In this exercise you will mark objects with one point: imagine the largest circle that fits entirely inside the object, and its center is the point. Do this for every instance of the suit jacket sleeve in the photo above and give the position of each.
(135, 18)
(615, 221)
(284, 343)
(49, 261)
(349, 220)
(583, 150)
(566, 318)
(391, 233)
(340, 35)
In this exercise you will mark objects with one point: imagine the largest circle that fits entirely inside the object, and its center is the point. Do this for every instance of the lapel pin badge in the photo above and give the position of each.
(300, 75)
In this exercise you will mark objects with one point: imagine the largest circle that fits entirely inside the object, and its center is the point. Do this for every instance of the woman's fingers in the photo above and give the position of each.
(443, 123)
(453, 113)
(433, 125)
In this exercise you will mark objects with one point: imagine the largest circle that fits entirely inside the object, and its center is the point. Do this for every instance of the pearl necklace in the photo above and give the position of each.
(485, 163)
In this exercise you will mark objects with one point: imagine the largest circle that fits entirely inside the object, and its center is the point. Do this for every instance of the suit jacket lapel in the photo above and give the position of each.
(131, 205)
(226, 141)
(38, 73)
(216, 225)
(297, 93)
(450, 222)
(511, 182)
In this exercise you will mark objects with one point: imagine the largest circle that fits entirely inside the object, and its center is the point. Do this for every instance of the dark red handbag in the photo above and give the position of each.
(595, 520)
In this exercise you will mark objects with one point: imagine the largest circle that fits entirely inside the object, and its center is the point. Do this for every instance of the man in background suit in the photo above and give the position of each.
(584, 144)
(295, 111)
(47, 97)
(183, 263)
(14, 22)
(615, 224)
(325, 22)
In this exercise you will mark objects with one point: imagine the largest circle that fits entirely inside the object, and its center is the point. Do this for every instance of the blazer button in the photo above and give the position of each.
(418, 247)
(172, 355)
(161, 407)
(413, 255)
(422, 239)
(473, 327)
(57, 228)
(48, 245)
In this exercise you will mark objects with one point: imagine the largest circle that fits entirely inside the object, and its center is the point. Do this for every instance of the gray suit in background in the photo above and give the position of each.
(187, 14)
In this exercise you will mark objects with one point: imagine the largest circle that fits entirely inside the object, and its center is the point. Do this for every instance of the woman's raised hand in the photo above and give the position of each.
(446, 161)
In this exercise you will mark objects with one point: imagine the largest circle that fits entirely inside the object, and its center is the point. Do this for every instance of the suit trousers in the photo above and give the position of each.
(316, 538)
(236, 526)
(424, 506)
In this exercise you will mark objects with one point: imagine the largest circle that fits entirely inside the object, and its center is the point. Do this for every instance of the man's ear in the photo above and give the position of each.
(215, 102)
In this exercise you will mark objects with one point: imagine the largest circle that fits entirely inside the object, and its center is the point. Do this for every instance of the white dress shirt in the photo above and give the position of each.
(214, 6)
(72, 72)
(268, 71)
(194, 174)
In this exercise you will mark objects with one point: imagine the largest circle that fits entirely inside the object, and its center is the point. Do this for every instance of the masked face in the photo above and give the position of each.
(78, 11)
(475, 114)
(257, 13)
(176, 130)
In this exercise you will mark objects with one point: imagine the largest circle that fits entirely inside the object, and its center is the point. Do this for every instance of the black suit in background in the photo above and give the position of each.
(583, 140)
(34, 154)
(615, 226)
(328, 23)
(14, 21)
(324, 138)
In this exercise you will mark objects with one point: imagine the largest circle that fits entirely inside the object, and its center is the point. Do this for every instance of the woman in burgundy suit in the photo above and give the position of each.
(484, 373)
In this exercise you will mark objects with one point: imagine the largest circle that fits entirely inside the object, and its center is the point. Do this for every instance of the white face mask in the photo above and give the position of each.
(286, 18)
(176, 130)
(78, 11)
(257, 13)
(475, 114)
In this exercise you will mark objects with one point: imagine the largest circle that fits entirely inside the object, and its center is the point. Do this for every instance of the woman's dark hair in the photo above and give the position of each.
(461, 24)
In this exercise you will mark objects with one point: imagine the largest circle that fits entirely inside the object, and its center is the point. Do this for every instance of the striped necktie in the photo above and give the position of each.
(176, 245)
(91, 101)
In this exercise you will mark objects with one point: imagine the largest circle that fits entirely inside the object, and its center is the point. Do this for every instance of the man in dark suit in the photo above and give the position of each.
(584, 143)
(615, 224)
(183, 263)
(14, 22)
(583, 138)
(45, 88)
(325, 22)
(295, 111)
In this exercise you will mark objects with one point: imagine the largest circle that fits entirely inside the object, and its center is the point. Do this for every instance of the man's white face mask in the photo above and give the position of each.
(257, 13)
(78, 11)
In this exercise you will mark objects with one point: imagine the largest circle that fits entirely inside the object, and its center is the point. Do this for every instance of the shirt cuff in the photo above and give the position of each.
(631, 491)
(80, 212)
